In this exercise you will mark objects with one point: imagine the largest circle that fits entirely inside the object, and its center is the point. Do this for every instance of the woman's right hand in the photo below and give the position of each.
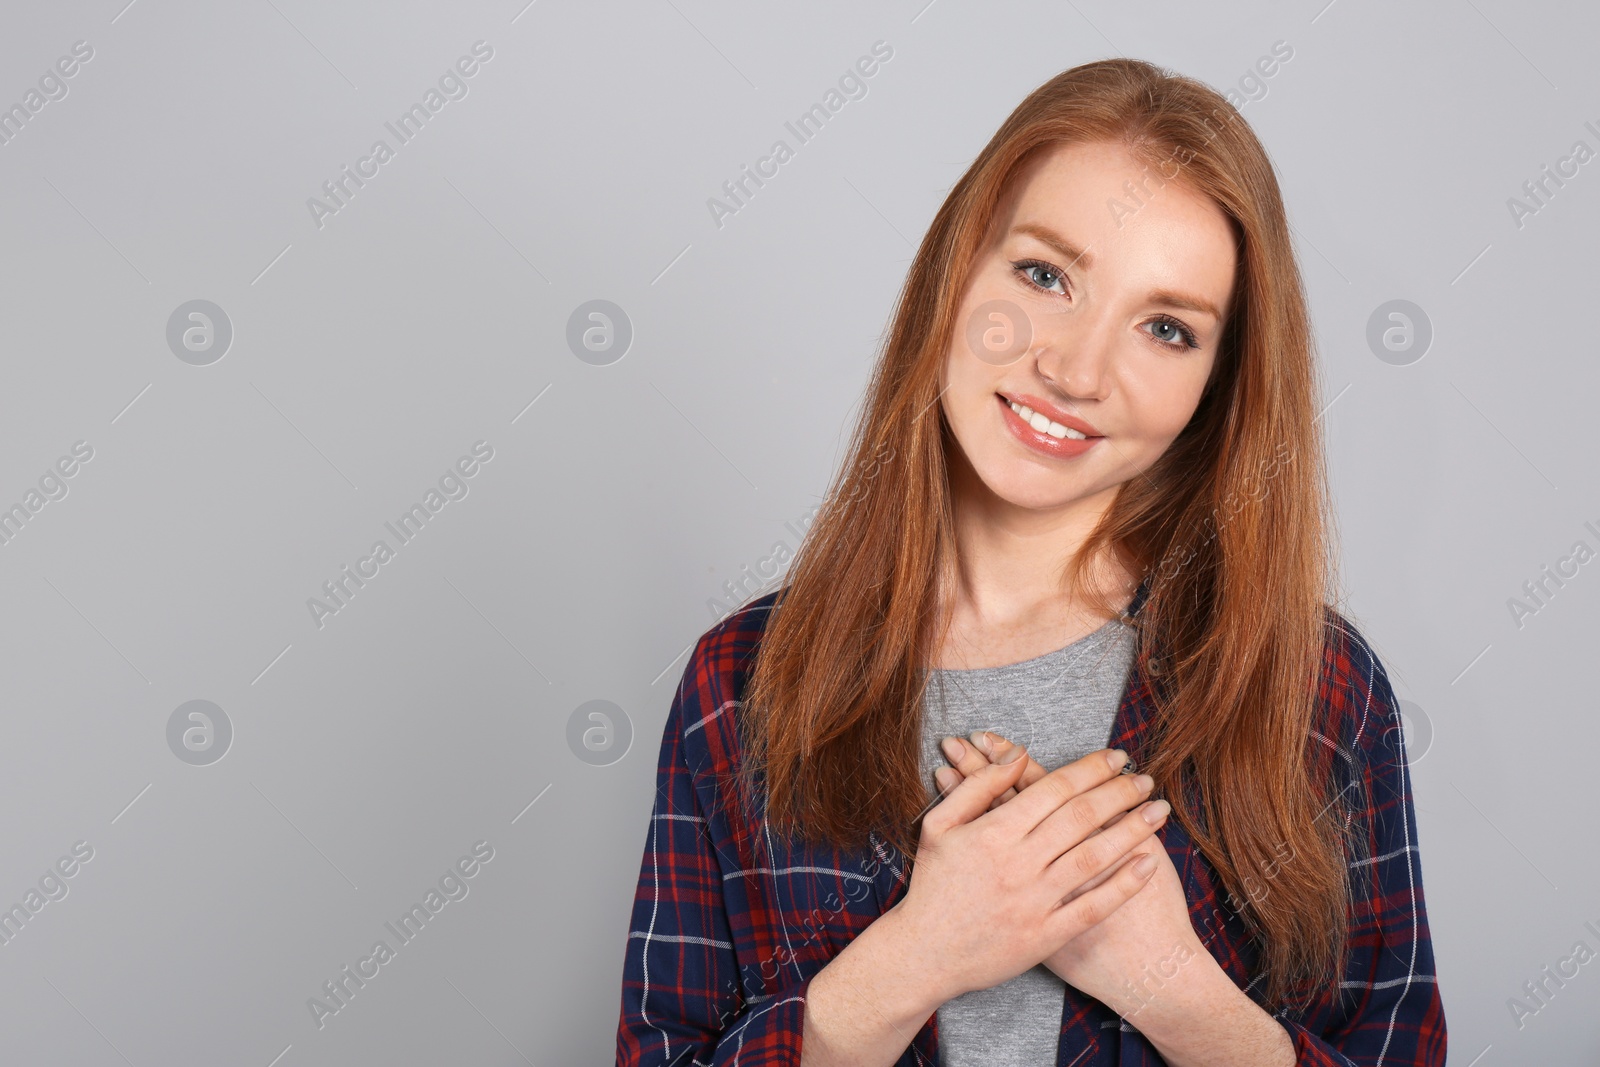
(989, 888)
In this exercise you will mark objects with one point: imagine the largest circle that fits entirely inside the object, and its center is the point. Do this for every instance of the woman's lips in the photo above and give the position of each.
(1040, 442)
(1053, 413)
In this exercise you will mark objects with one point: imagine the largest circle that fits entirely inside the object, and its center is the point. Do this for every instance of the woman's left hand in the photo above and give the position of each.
(1125, 960)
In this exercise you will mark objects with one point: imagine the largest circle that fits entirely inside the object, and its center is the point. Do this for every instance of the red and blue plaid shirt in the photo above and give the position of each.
(731, 921)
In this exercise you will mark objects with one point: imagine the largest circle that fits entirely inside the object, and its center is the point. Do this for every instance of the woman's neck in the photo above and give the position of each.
(1008, 599)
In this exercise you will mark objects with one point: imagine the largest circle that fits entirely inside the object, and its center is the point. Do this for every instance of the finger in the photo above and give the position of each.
(1083, 817)
(968, 757)
(963, 756)
(972, 795)
(946, 779)
(1148, 846)
(1075, 871)
(1108, 823)
(1031, 806)
(994, 746)
(945, 785)
(1092, 907)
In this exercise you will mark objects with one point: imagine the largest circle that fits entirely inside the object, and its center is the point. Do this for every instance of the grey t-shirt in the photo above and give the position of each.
(1061, 705)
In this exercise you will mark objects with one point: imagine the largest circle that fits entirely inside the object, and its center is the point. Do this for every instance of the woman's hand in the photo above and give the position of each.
(1125, 959)
(999, 891)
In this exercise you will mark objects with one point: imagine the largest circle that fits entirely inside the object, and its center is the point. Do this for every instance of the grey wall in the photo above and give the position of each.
(344, 765)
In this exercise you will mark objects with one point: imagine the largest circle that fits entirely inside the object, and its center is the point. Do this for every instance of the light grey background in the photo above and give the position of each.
(368, 354)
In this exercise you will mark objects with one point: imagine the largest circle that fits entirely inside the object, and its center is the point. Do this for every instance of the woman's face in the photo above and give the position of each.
(1098, 305)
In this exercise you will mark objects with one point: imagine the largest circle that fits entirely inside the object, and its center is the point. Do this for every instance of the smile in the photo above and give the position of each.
(1044, 425)
(1042, 435)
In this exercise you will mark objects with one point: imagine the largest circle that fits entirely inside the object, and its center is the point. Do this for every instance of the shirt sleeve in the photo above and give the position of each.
(682, 1001)
(1389, 1012)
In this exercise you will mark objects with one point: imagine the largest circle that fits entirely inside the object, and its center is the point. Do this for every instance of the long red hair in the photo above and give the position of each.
(1231, 524)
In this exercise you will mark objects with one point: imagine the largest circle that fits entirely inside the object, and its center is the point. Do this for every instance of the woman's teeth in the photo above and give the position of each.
(1044, 425)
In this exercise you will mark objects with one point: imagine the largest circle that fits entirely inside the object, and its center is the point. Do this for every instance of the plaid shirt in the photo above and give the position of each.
(731, 921)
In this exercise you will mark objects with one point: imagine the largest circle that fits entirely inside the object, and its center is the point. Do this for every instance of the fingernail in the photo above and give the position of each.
(954, 749)
(982, 742)
(1155, 811)
(1012, 754)
(1144, 782)
(1116, 757)
(941, 778)
(1144, 865)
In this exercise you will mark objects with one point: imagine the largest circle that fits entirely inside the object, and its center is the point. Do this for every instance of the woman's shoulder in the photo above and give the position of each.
(724, 654)
(713, 681)
(1358, 712)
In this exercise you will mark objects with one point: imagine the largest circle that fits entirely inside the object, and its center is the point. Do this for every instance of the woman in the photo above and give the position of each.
(1087, 492)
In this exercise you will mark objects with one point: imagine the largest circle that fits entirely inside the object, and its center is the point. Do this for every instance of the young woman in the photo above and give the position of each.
(1085, 518)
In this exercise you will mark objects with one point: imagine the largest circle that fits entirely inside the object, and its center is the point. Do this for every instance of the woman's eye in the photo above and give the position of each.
(1041, 275)
(1173, 335)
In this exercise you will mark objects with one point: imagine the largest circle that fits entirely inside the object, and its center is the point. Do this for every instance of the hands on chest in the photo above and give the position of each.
(1019, 866)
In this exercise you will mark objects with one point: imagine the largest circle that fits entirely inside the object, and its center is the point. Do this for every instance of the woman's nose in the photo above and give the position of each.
(1077, 361)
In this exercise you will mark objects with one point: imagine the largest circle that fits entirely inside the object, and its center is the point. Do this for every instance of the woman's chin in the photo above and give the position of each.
(1026, 489)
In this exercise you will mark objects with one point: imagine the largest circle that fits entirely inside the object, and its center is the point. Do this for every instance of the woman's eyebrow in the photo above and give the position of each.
(1185, 301)
(1045, 235)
